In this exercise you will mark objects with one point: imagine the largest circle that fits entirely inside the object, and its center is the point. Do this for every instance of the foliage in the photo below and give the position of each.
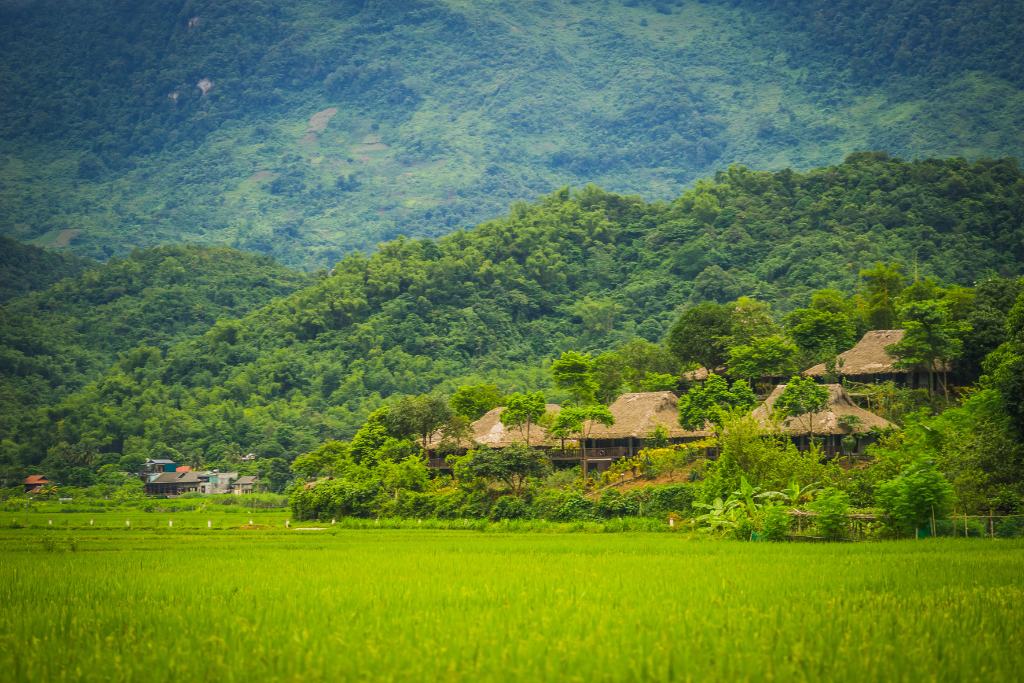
(917, 495)
(831, 508)
(802, 396)
(523, 410)
(513, 466)
(573, 372)
(701, 334)
(711, 402)
(472, 401)
(932, 338)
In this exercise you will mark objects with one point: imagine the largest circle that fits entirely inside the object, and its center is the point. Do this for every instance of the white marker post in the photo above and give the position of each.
(90, 522)
(51, 522)
(127, 523)
(209, 524)
(332, 522)
(287, 524)
(170, 523)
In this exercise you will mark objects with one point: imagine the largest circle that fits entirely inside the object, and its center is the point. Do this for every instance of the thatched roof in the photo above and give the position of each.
(638, 415)
(489, 431)
(701, 374)
(868, 356)
(825, 422)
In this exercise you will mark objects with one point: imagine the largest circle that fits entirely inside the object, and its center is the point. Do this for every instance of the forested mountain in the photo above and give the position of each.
(305, 129)
(25, 268)
(55, 340)
(584, 270)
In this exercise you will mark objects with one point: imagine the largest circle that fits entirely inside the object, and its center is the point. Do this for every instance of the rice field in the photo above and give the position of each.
(156, 604)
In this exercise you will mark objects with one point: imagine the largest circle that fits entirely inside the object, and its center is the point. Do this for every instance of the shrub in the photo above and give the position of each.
(614, 504)
(510, 507)
(911, 499)
(676, 498)
(576, 508)
(832, 507)
(774, 523)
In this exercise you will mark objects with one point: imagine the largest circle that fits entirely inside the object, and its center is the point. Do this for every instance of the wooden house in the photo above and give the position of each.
(172, 483)
(840, 418)
(637, 417)
(244, 484)
(870, 361)
(489, 432)
(35, 482)
(157, 466)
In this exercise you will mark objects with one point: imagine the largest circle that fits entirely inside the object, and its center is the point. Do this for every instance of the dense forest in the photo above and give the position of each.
(308, 128)
(584, 270)
(55, 340)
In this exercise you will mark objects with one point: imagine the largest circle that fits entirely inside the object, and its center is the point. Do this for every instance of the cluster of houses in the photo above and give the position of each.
(841, 426)
(167, 478)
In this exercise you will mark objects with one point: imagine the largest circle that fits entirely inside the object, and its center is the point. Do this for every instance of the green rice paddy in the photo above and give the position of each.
(152, 603)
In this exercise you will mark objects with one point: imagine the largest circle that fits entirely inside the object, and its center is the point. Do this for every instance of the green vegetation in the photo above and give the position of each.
(493, 304)
(429, 605)
(128, 311)
(310, 129)
(25, 268)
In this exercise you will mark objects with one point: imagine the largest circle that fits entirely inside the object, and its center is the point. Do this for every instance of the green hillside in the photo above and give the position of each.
(324, 126)
(55, 340)
(25, 268)
(584, 270)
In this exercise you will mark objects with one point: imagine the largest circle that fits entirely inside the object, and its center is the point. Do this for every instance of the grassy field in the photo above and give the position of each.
(274, 604)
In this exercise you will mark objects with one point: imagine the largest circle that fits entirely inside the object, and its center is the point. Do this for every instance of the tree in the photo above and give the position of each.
(932, 338)
(825, 328)
(711, 402)
(750, 319)
(802, 396)
(574, 372)
(274, 473)
(578, 421)
(916, 496)
(772, 356)
(701, 335)
(418, 416)
(320, 461)
(608, 374)
(512, 465)
(472, 401)
(882, 283)
(523, 410)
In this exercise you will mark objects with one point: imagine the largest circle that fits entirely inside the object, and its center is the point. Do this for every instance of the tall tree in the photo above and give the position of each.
(932, 340)
(523, 410)
(773, 356)
(802, 396)
(574, 372)
(701, 335)
(472, 401)
(882, 283)
(712, 401)
(419, 416)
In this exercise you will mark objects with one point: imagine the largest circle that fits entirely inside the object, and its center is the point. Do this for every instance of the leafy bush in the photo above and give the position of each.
(832, 507)
(510, 507)
(774, 523)
(917, 495)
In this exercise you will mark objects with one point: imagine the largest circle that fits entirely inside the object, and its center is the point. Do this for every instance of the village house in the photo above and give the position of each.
(869, 361)
(637, 418)
(489, 432)
(157, 466)
(244, 484)
(172, 483)
(35, 482)
(214, 481)
(841, 419)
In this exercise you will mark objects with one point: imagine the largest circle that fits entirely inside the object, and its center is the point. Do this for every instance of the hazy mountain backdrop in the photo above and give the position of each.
(306, 129)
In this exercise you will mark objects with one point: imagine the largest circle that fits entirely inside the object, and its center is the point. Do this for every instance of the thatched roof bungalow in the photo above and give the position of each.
(870, 361)
(489, 432)
(840, 418)
(637, 416)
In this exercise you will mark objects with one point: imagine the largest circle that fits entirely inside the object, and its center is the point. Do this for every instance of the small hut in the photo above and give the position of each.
(840, 418)
(489, 432)
(870, 361)
(34, 483)
(637, 416)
